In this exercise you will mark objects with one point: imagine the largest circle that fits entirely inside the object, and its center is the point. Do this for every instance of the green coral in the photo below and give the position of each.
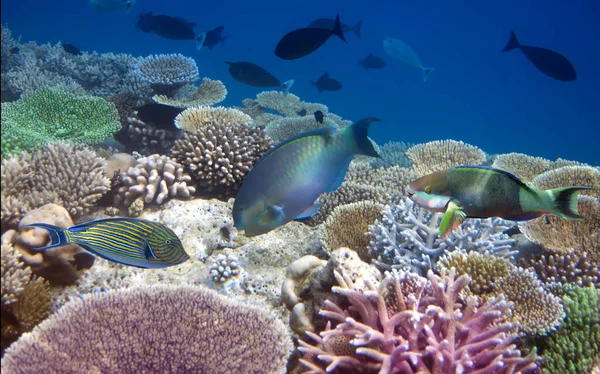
(52, 114)
(573, 348)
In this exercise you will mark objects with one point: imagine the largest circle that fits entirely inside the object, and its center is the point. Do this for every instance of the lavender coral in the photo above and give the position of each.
(414, 325)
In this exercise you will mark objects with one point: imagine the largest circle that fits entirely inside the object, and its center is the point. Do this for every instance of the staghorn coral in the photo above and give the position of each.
(219, 154)
(427, 330)
(167, 73)
(154, 179)
(73, 178)
(443, 154)
(574, 347)
(407, 236)
(197, 118)
(569, 268)
(523, 166)
(348, 224)
(205, 332)
(284, 128)
(210, 92)
(51, 115)
(225, 270)
(393, 154)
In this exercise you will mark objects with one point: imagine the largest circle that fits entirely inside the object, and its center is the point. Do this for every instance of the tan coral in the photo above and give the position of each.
(210, 92)
(523, 166)
(443, 154)
(483, 269)
(14, 275)
(569, 268)
(570, 176)
(348, 224)
(286, 127)
(196, 118)
(288, 105)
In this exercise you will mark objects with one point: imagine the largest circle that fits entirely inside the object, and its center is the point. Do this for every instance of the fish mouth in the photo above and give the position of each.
(409, 191)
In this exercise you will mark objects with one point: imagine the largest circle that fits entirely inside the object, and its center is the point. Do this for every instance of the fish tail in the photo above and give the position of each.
(57, 235)
(565, 201)
(360, 131)
(286, 86)
(337, 28)
(426, 73)
(356, 28)
(200, 38)
(513, 43)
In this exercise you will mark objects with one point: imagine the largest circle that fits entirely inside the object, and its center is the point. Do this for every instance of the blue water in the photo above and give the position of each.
(497, 101)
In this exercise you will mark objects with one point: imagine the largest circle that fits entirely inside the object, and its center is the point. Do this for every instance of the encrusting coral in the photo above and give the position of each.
(204, 332)
(443, 154)
(59, 173)
(210, 92)
(167, 73)
(411, 324)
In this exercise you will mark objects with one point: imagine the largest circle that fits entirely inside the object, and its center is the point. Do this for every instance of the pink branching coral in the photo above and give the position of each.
(410, 324)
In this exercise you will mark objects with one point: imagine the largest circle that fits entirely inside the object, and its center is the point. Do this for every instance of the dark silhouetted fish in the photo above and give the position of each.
(111, 5)
(327, 23)
(319, 116)
(214, 37)
(173, 28)
(256, 76)
(71, 49)
(325, 83)
(372, 62)
(301, 42)
(160, 115)
(302, 112)
(551, 63)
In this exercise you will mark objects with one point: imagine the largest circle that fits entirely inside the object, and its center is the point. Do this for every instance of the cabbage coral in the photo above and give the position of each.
(411, 324)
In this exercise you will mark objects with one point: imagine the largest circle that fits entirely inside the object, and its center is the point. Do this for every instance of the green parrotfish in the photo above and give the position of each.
(128, 241)
(285, 183)
(482, 192)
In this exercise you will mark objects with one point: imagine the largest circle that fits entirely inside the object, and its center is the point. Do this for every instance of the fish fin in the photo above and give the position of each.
(360, 131)
(57, 235)
(513, 43)
(337, 29)
(272, 216)
(453, 218)
(149, 252)
(426, 73)
(340, 176)
(309, 212)
(356, 28)
(286, 86)
(200, 38)
(565, 202)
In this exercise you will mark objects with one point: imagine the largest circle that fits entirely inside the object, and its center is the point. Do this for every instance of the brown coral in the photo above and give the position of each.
(570, 176)
(443, 154)
(210, 92)
(193, 119)
(525, 167)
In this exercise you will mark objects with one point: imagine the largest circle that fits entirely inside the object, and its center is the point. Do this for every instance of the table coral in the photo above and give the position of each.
(210, 92)
(167, 73)
(443, 154)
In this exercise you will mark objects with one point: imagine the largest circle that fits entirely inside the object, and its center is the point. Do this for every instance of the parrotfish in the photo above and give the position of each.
(128, 241)
(483, 191)
(551, 63)
(301, 42)
(285, 183)
(403, 52)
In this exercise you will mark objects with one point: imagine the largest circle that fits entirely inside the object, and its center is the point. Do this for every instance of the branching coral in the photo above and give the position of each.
(425, 330)
(167, 73)
(483, 269)
(210, 92)
(569, 268)
(443, 154)
(193, 119)
(393, 154)
(59, 174)
(126, 331)
(52, 115)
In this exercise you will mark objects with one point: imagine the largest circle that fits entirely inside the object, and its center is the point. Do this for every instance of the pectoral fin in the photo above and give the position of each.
(273, 216)
(453, 218)
(149, 252)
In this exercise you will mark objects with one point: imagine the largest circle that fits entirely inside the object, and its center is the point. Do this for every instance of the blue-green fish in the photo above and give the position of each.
(483, 191)
(128, 241)
(287, 180)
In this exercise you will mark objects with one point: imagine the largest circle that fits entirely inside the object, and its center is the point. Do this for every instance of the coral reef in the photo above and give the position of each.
(54, 115)
(167, 73)
(443, 154)
(197, 118)
(225, 270)
(427, 329)
(73, 178)
(284, 128)
(210, 92)
(569, 268)
(525, 167)
(288, 105)
(205, 331)
(393, 154)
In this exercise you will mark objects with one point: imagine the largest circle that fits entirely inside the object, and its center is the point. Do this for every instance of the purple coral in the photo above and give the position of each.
(410, 324)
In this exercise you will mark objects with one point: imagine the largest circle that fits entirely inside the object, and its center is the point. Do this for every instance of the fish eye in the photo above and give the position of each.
(168, 241)
(428, 189)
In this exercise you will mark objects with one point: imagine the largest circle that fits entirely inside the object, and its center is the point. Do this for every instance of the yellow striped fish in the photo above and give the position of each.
(128, 241)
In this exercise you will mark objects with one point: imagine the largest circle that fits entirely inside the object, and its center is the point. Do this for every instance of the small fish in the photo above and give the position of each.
(285, 183)
(319, 116)
(111, 5)
(301, 42)
(551, 63)
(302, 112)
(128, 241)
(483, 191)
(325, 83)
(15, 50)
(399, 50)
(71, 49)
(372, 62)
(159, 115)
(173, 28)
(214, 37)
(256, 76)
(327, 23)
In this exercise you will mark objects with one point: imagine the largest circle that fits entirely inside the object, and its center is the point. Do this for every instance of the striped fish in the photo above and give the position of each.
(128, 241)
